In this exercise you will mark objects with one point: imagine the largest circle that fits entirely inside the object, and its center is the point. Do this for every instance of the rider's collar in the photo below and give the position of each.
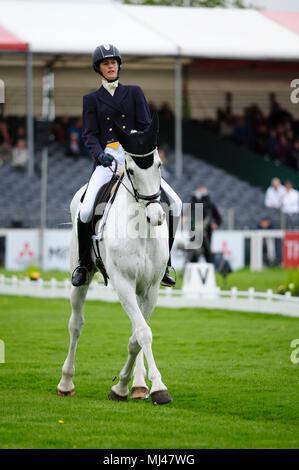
(110, 86)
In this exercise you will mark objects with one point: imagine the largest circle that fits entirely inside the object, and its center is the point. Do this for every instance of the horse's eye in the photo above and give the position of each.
(159, 165)
(131, 171)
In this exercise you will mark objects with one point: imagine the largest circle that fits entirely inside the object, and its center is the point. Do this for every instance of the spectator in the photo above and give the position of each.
(241, 131)
(269, 249)
(20, 154)
(164, 172)
(272, 143)
(5, 144)
(20, 134)
(290, 199)
(226, 125)
(283, 148)
(211, 220)
(294, 155)
(65, 124)
(59, 132)
(73, 149)
(261, 137)
(274, 194)
(278, 115)
(165, 111)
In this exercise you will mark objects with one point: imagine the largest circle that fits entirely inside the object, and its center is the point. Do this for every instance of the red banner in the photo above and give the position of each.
(291, 250)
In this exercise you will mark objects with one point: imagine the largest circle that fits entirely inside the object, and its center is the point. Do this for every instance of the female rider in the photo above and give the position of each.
(127, 106)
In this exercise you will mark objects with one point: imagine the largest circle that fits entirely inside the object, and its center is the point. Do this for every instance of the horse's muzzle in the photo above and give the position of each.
(155, 214)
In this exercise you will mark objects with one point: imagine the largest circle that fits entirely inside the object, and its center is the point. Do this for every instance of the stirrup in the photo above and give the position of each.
(172, 283)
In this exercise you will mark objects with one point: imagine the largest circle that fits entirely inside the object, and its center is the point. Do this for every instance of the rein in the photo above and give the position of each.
(137, 196)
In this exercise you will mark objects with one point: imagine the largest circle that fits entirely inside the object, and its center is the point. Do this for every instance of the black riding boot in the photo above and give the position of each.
(80, 274)
(172, 226)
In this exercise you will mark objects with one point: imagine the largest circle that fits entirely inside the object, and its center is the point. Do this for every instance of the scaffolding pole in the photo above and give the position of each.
(29, 114)
(178, 119)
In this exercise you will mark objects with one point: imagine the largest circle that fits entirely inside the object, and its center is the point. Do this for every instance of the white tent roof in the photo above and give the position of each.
(73, 28)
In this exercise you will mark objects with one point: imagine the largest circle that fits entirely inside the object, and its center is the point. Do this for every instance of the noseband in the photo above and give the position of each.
(137, 196)
(153, 197)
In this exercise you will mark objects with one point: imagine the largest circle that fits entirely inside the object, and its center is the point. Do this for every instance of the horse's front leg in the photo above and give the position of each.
(78, 295)
(141, 338)
(159, 392)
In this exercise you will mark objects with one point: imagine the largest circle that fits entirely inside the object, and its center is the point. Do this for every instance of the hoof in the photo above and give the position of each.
(139, 393)
(161, 397)
(60, 393)
(114, 397)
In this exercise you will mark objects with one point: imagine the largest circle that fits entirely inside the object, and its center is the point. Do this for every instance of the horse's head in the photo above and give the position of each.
(143, 168)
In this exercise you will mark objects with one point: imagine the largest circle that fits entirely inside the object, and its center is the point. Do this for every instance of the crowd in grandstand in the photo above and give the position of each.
(67, 132)
(13, 145)
(275, 136)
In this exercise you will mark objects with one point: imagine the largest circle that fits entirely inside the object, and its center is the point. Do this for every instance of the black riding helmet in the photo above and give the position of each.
(105, 51)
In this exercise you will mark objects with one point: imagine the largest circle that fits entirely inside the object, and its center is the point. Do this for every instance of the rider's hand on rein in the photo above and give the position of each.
(105, 159)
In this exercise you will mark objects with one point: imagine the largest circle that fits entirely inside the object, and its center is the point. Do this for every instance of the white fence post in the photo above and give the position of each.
(250, 301)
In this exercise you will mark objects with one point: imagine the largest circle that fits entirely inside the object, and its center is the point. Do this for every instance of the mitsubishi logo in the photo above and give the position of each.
(26, 251)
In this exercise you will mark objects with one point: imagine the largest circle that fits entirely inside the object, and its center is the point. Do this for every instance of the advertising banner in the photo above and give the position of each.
(57, 250)
(21, 249)
(232, 245)
(291, 250)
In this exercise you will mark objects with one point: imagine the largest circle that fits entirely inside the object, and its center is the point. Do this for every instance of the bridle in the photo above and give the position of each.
(152, 199)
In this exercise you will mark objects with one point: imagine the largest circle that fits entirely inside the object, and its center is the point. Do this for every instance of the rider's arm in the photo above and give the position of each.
(91, 131)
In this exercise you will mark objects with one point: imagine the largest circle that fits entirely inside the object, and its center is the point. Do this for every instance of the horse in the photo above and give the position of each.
(135, 264)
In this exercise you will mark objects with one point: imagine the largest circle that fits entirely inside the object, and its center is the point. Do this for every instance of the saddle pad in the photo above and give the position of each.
(101, 200)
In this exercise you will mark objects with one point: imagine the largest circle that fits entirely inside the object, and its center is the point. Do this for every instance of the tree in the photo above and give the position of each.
(189, 3)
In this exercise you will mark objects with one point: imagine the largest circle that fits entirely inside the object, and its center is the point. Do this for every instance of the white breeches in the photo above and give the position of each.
(102, 175)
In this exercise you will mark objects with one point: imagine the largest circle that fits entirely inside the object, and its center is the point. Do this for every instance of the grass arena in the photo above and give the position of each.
(230, 375)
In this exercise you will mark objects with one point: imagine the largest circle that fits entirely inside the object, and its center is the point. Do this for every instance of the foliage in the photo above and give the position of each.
(33, 272)
(291, 283)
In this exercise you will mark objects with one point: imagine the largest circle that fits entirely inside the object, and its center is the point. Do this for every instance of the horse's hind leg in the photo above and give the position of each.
(120, 391)
(78, 295)
(141, 338)
(159, 392)
(139, 388)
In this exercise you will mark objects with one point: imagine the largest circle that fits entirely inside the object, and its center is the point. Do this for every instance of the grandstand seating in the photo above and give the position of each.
(240, 204)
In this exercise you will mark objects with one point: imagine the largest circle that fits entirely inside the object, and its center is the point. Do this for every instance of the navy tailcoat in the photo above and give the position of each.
(127, 107)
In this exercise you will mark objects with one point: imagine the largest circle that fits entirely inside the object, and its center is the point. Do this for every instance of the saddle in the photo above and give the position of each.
(103, 201)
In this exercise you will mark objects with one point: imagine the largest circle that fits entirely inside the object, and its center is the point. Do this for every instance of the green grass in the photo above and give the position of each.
(230, 376)
(268, 278)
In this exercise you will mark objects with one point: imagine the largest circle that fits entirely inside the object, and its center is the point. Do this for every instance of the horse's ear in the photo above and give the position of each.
(138, 142)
